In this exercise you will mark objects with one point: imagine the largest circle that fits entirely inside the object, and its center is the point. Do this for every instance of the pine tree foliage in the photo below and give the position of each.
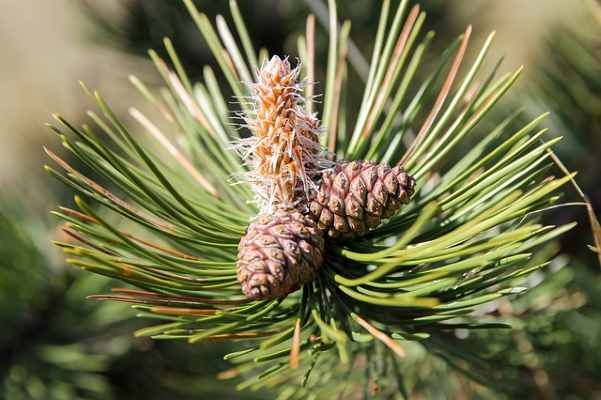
(469, 236)
(555, 323)
(41, 357)
(55, 346)
(569, 86)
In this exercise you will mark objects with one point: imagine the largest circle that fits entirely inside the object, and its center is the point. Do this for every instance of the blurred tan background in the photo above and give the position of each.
(47, 48)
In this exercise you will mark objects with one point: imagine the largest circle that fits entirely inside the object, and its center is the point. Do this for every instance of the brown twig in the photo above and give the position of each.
(594, 221)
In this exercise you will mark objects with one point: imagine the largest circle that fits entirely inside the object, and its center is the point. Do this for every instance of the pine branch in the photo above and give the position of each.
(469, 235)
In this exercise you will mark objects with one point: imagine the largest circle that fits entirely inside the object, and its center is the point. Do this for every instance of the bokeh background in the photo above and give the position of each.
(54, 344)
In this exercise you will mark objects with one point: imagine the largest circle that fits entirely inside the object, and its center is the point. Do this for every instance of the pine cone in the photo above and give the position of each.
(355, 196)
(280, 252)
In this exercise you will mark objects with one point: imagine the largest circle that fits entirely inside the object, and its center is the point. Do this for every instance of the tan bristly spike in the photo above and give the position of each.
(284, 150)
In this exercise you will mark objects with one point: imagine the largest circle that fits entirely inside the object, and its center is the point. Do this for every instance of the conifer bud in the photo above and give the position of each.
(284, 151)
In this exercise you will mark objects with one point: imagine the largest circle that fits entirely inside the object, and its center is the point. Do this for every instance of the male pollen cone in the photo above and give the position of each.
(285, 147)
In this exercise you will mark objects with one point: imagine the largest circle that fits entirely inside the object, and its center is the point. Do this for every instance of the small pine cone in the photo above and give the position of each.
(280, 252)
(355, 196)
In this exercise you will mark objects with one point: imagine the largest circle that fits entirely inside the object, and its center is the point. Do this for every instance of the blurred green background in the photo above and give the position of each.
(54, 344)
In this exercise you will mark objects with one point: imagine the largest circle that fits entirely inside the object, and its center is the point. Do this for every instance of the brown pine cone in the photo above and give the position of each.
(280, 252)
(355, 196)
